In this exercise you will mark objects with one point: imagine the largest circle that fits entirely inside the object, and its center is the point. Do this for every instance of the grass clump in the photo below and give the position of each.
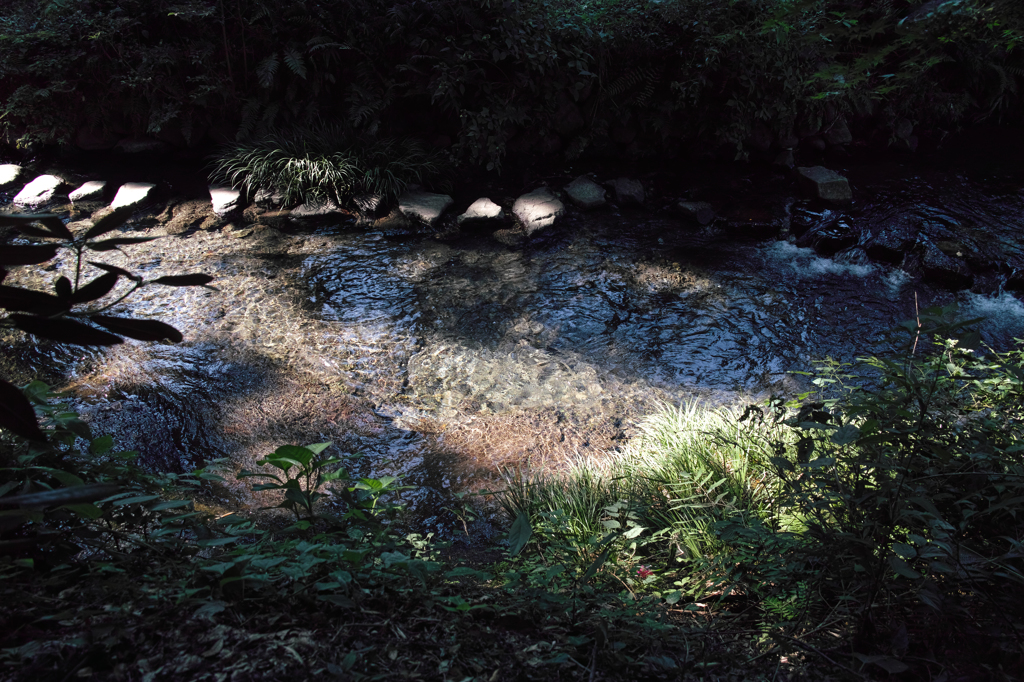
(325, 165)
(690, 467)
(875, 520)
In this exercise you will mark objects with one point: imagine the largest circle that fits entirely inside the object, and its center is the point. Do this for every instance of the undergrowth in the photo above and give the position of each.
(325, 165)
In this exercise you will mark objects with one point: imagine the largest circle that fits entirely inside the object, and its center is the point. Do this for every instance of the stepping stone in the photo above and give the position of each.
(538, 209)
(224, 199)
(585, 193)
(132, 195)
(424, 206)
(9, 174)
(628, 192)
(699, 211)
(40, 191)
(482, 209)
(90, 191)
(827, 184)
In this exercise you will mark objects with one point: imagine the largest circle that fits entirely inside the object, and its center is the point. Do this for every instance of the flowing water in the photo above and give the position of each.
(442, 360)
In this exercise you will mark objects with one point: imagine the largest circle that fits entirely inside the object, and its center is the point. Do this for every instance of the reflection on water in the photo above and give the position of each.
(442, 360)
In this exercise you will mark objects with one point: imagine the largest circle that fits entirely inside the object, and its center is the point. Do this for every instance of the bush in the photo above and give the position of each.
(324, 165)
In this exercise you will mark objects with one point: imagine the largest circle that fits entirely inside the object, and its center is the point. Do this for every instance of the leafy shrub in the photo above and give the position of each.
(324, 165)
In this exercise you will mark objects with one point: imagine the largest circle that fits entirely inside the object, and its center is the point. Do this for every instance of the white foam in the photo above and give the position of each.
(1004, 314)
(809, 264)
(895, 280)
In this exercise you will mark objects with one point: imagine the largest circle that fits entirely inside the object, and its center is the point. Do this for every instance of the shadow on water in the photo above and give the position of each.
(445, 360)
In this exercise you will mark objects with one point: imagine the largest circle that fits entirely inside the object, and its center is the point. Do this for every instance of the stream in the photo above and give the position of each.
(446, 360)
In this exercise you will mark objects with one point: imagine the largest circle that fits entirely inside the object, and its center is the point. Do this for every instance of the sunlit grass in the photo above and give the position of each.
(325, 164)
(689, 467)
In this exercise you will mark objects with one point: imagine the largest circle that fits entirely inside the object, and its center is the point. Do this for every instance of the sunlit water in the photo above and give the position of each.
(569, 338)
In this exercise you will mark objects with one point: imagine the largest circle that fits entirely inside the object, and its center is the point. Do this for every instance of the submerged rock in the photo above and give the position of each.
(538, 209)
(945, 270)
(90, 191)
(187, 215)
(40, 191)
(826, 183)
(585, 193)
(482, 209)
(424, 207)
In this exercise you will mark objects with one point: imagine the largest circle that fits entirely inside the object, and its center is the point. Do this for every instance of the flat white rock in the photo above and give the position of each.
(9, 173)
(224, 199)
(91, 190)
(538, 209)
(425, 207)
(131, 195)
(482, 209)
(40, 191)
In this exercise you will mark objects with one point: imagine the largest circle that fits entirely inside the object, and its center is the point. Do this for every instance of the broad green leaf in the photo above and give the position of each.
(903, 568)
(89, 511)
(593, 568)
(317, 448)
(519, 534)
(302, 456)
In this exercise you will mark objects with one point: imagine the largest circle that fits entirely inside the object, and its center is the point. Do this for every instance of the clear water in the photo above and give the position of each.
(442, 360)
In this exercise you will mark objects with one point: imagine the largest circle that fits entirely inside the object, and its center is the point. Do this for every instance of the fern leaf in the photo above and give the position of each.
(296, 65)
(266, 70)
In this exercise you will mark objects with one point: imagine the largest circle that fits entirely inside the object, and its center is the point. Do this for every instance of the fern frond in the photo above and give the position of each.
(295, 63)
(266, 70)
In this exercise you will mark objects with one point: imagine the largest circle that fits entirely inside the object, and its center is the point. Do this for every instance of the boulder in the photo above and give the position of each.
(889, 243)
(90, 191)
(9, 174)
(40, 191)
(628, 192)
(132, 195)
(698, 211)
(585, 193)
(313, 209)
(482, 209)
(538, 209)
(827, 184)
(224, 199)
(945, 270)
(838, 133)
(424, 207)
